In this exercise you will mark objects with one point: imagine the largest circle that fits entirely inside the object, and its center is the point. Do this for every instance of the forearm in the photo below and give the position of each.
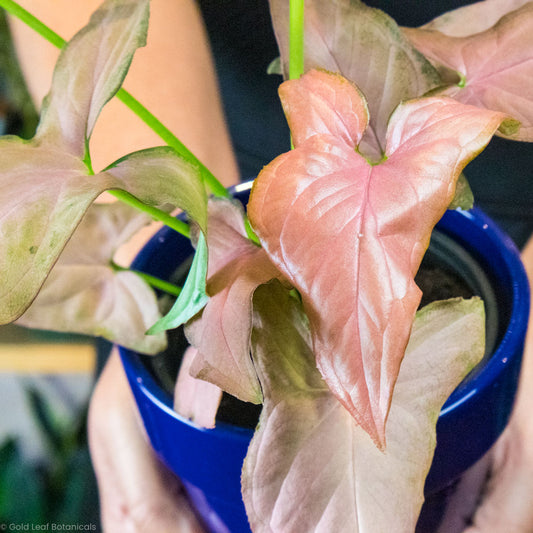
(173, 76)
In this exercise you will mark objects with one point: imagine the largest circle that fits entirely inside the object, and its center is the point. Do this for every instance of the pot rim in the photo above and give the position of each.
(478, 395)
(513, 338)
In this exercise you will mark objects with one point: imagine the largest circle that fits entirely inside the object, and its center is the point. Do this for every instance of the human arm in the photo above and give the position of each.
(180, 89)
(507, 505)
(173, 76)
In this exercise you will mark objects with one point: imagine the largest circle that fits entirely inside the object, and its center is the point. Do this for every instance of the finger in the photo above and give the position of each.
(137, 493)
(507, 506)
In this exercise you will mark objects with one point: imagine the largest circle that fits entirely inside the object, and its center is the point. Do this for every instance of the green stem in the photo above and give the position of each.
(157, 283)
(154, 212)
(296, 39)
(250, 231)
(132, 103)
(169, 138)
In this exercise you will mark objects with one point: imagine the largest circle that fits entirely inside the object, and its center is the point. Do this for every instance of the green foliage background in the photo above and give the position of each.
(20, 115)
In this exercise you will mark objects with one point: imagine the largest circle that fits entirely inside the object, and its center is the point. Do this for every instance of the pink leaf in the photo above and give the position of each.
(366, 46)
(350, 236)
(310, 467)
(84, 294)
(193, 398)
(341, 115)
(473, 18)
(44, 193)
(221, 333)
(497, 66)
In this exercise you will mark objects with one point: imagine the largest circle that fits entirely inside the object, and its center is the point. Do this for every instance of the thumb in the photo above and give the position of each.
(137, 493)
(507, 506)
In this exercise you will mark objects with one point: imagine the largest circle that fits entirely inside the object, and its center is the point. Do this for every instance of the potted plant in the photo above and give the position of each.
(307, 302)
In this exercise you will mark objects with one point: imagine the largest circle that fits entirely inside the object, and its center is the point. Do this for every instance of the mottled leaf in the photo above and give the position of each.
(84, 294)
(366, 46)
(221, 333)
(44, 193)
(90, 70)
(305, 438)
(194, 398)
(350, 236)
(45, 187)
(161, 178)
(496, 66)
(464, 197)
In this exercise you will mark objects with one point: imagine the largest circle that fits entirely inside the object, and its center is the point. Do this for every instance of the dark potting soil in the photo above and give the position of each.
(435, 281)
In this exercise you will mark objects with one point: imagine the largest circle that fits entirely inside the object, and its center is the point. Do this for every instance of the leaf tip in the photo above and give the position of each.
(509, 126)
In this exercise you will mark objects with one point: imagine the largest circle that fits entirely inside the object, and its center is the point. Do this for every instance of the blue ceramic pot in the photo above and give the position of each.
(209, 461)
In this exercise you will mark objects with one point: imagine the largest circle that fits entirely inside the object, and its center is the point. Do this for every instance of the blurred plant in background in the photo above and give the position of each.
(17, 112)
(59, 488)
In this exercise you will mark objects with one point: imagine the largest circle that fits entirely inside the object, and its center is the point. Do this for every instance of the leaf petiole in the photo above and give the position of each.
(296, 39)
(125, 97)
(156, 283)
(157, 214)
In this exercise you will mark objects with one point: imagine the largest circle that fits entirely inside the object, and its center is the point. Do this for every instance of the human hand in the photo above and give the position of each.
(507, 501)
(137, 493)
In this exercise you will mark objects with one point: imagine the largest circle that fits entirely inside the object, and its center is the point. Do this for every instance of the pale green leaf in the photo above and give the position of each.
(275, 67)
(160, 177)
(84, 294)
(464, 197)
(221, 333)
(192, 298)
(90, 70)
(305, 438)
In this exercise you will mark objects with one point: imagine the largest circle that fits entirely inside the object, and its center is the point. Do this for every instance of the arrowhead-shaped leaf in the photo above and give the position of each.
(90, 71)
(161, 178)
(84, 294)
(221, 333)
(44, 194)
(45, 187)
(194, 398)
(350, 236)
(496, 66)
(366, 46)
(310, 467)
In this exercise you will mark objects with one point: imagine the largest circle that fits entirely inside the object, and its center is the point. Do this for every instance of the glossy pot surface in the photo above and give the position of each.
(209, 461)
